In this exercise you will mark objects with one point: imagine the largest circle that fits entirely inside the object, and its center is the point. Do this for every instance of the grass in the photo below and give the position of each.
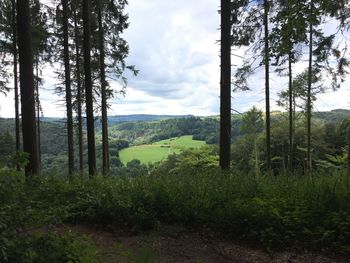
(159, 151)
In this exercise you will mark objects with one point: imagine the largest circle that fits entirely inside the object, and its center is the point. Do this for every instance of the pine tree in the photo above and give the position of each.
(267, 84)
(225, 86)
(68, 87)
(105, 143)
(88, 88)
(289, 30)
(251, 21)
(79, 97)
(112, 52)
(310, 72)
(15, 78)
(30, 143)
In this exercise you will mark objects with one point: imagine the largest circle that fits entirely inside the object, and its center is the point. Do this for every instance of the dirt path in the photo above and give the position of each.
(176, 244)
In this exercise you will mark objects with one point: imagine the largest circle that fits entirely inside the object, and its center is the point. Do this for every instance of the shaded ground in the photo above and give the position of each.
(176, 244)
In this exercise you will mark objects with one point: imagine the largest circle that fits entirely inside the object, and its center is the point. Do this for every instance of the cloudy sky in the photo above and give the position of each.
(174, 45)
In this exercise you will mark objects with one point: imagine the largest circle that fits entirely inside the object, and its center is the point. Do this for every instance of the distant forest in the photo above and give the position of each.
(133, 130)
(82, 41)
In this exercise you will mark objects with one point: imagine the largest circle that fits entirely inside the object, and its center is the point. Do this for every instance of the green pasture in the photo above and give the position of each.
(150, 153)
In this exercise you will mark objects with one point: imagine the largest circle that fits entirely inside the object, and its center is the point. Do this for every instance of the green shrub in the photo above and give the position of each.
(52, 248)
(272, 211)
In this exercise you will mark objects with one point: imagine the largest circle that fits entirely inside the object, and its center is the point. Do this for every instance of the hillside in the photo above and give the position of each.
(148, 129)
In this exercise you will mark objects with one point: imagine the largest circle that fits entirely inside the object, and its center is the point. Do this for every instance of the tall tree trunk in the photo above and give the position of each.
(30, 142)
(15, 78)
(105, 144)
(291, 111)
(79, 95)
(88, 89)
(37, 98)
(267, 86)
(349, 150)
(309, 160)
(225, 86)
(68, 88)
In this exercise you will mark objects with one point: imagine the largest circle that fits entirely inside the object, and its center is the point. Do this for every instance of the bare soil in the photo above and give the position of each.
(178, 244)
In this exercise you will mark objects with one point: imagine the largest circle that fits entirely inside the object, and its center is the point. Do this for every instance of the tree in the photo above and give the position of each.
(323, 51)
(289, 30)
(15, 78)
(30, 143)
(225, 86)
(79, 97)
(8, 45)
(39, 44)
(112, 52)
(349, 150)
(267, 84)
(300, 92)
(68, 87)
(254, 18)
(41, 53)
(6, 29)
(252, 125)
(88, 89)
(105, 143)
(310, 71)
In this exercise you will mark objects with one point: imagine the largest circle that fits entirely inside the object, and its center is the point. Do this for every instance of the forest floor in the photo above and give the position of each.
(179, 244)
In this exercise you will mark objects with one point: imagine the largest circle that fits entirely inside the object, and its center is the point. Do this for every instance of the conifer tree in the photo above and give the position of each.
(225, 86)
(15, 78)
(112, 52)
(30, 143)
(67, 82)
(88, 88)
(79, 89)
(251, 22)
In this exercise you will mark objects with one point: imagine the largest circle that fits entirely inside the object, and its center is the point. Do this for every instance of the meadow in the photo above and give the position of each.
(158, 151)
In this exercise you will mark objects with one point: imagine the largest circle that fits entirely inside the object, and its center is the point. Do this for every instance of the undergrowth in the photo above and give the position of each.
(275, 212)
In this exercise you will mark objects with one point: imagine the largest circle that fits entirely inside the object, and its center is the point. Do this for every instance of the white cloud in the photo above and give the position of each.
(174, 45)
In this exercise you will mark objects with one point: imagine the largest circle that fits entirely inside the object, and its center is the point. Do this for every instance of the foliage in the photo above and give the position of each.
(52, 247)
(252, 122)
(186, 189)
(6, 147)
(145, 132)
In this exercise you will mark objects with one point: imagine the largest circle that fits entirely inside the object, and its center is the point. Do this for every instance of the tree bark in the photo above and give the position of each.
(225, 86)
(308, 152)
(349, 150)
(68, 88)
(37, 98)
(79, 96)
(105, 143)
(88, 89)
(291, 122)
(15, 79)
(30, 142)
(267, 86)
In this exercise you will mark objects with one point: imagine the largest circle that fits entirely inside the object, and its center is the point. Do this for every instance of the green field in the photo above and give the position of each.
(158, 151)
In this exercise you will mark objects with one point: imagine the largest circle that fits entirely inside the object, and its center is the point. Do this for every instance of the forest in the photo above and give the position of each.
(253, 186)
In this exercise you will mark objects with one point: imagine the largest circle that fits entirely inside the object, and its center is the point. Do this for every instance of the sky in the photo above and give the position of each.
(174, 45)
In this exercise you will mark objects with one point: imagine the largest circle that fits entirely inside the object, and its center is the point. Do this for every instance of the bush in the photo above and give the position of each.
(52, 248)
(272, 211)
